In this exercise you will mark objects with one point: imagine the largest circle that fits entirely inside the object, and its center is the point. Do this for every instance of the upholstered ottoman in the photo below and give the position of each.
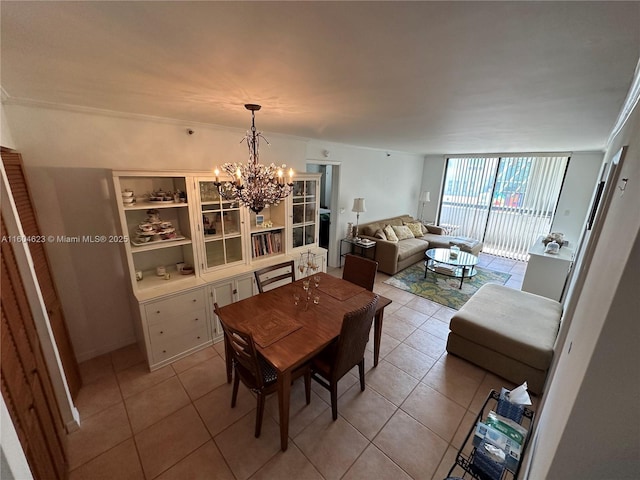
(508, 332)
(467, 244)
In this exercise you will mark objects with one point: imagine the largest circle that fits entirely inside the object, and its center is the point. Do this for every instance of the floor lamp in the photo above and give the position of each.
(358, 207)
(424, 198)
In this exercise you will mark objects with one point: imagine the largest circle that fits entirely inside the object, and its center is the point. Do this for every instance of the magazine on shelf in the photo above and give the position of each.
(365, 241)
(503, 433)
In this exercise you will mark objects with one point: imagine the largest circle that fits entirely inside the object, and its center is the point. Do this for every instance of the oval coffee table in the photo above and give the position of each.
(438, 260)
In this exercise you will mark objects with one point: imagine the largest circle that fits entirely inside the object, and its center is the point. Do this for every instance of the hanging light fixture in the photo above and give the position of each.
(254, 185)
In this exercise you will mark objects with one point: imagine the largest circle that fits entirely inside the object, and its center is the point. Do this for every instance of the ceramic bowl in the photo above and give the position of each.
(127, 193)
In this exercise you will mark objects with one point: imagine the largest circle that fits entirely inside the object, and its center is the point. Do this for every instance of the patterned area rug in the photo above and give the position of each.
(442, 289)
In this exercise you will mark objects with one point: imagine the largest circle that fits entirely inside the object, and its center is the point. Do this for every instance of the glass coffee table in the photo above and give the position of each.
(439, 260)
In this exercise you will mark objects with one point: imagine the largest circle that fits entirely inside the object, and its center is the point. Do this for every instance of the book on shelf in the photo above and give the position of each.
(446, 269)
(266, 243)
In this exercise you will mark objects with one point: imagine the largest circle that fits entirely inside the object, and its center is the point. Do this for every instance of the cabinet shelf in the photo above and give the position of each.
(157, 244)
(266, 229)
(145, 205)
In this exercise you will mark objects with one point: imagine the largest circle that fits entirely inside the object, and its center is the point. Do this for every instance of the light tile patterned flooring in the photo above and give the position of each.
(177, 423)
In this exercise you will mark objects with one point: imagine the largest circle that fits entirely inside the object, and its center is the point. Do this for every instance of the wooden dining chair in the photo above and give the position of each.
(275, 274)
(333, 363)
(360, 270)
(253, 370)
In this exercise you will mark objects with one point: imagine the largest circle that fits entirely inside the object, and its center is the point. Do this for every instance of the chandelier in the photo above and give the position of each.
(254, 185)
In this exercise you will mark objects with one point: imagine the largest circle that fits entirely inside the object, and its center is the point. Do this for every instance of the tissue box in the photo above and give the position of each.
(508, 409)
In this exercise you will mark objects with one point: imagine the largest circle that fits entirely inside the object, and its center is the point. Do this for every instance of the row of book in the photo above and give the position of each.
(266, 243)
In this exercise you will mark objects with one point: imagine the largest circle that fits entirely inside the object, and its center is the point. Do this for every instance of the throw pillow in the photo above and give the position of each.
(391, 235)
(435, 229)
(380, 234)
(402, 232)
(416, 228)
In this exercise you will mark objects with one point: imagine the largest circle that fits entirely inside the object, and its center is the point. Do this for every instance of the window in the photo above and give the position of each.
(506, 202)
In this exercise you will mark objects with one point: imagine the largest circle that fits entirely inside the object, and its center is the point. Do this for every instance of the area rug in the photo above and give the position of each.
(442, 289)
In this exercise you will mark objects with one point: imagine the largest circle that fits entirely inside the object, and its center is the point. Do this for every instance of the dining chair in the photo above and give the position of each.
(275, 274)
(333, 363)
(360, 270)
(253, 370)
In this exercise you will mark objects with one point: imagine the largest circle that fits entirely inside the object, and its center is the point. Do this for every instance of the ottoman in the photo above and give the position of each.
(508, 332)
(469, 245)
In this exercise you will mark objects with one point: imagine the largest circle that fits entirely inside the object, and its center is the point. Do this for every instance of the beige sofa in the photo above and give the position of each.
(508, 332)
(395, 256)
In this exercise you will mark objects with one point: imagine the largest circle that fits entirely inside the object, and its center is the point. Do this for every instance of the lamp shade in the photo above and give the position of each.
(425, 197)
(358, 205)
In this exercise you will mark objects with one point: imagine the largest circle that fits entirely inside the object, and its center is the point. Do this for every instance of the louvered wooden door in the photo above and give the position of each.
(20, 191)
(26, 386)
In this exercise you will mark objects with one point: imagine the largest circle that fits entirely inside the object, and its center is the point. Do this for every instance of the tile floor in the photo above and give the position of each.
(176, 422)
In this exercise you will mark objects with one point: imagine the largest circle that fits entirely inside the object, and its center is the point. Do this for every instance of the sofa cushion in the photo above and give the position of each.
(409, 247)
(370, 229)
(435, 229)
(391, 235)
(402, 232)
(416, 228)
(379, 234)
(395, 221)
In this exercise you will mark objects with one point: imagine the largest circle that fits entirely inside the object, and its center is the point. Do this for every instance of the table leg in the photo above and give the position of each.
(284, 395)
(227, 358)
(377, 336)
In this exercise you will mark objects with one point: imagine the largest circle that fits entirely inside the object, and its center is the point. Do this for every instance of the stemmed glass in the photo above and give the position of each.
(316, 280)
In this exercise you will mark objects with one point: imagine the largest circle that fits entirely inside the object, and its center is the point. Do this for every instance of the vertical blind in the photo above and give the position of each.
(507, 202)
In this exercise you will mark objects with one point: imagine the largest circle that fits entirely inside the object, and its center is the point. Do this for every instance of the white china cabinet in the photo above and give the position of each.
(189, 248)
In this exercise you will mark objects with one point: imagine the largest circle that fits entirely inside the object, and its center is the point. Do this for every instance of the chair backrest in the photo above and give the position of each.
(353, 339)
(275, 276)
(359, 270)
(243, 351)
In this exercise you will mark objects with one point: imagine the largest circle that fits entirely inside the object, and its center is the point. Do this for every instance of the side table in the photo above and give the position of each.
(356, 247)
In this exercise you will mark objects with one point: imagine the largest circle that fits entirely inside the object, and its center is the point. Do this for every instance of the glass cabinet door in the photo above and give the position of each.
(304, 212)
(221, 227)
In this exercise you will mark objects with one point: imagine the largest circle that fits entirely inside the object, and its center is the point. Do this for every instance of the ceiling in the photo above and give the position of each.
(423, 77)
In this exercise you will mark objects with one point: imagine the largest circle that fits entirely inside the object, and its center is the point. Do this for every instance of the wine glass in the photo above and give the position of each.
(305, 284)
(316, 280)
(296, 298)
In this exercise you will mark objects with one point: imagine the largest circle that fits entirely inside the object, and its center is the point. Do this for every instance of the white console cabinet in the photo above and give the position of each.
(547, 273)
(221, 240)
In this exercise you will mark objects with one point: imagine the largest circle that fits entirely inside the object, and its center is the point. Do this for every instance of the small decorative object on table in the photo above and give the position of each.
(554, 237)
(308, 264)
(454, 250)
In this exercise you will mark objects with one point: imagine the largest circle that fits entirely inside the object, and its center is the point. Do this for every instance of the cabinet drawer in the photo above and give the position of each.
(188, 322)
(166, 343)
(174, 307)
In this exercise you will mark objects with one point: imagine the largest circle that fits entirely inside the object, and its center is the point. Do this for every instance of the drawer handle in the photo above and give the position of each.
(198, 337)
(164, 351)
(195, 300)
(161, 332)
(158, 311)
(196, 319)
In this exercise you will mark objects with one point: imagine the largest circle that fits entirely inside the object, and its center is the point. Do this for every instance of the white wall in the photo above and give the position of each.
(69, 155)
(390, 184)
(574, 203)
(588, 427)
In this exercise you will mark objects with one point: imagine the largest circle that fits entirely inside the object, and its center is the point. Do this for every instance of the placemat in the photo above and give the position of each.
(271, 326)
(338, 289)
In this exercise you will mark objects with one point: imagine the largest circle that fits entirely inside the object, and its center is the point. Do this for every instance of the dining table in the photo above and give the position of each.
(291, 325)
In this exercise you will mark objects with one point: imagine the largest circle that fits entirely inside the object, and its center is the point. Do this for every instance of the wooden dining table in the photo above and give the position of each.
(289, 335)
